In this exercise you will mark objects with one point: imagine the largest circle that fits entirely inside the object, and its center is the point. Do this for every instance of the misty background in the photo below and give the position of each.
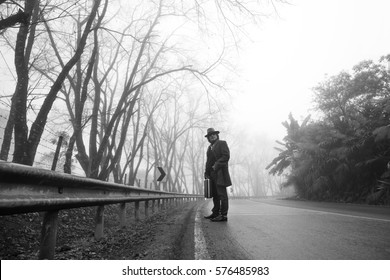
(131, 86)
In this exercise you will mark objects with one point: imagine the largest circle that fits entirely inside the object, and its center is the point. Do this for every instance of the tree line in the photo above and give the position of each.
(343, 155)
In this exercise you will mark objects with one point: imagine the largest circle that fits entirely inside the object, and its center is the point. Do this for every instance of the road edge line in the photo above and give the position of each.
(201, 252)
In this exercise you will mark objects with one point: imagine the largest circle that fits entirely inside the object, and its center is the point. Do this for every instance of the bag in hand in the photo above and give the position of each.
(207, 188)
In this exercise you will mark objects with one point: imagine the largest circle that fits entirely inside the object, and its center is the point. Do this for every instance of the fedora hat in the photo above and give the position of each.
(211, 131)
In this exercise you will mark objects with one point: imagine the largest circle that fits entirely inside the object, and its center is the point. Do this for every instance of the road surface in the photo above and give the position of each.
(293, 230)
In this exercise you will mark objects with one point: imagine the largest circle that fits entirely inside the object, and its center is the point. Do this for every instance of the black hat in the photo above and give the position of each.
(211, 131)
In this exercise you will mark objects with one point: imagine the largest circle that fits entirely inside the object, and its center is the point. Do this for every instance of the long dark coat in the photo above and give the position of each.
(218, 156)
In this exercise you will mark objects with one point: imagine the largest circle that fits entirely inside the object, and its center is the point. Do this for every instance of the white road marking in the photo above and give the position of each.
(348, 215)
(309, 210)
(201, 252)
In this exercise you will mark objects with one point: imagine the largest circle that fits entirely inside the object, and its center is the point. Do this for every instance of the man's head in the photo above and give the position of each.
(212, 135)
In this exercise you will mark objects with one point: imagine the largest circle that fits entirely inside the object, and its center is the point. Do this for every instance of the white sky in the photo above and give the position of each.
(293, 53)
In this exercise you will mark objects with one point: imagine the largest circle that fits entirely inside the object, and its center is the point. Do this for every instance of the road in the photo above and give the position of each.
(293, 230)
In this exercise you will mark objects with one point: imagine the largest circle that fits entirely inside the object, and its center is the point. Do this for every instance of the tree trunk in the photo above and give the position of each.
(68, 154)
(31, 7)
(40, 122)
(21, 91)
(5, 146)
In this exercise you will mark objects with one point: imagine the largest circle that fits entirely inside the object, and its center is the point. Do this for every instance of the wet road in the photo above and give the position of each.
(294, 230)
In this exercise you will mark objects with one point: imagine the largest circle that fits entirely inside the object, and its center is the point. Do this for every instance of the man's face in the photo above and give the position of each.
(213, 137)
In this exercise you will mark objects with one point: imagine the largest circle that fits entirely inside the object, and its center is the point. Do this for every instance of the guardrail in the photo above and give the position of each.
(25, 189)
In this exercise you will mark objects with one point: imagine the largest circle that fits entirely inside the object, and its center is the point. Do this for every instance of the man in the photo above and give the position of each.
(217, 171)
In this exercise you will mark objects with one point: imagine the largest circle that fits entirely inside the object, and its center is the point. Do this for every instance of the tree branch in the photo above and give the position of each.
(19, 17)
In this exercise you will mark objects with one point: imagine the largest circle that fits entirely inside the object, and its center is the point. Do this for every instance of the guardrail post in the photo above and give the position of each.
(136, 210)
(146, 208)
(122, 214)
(99, 220)
(153, 205)
(48, 235)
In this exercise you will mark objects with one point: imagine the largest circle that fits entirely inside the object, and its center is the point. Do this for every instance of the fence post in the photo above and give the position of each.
(122, 214)
(153, 205)
(48, 235)
(146, 208)
(136, 210)
(99, 220)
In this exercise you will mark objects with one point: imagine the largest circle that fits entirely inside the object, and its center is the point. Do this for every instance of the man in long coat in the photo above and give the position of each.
(217, 171)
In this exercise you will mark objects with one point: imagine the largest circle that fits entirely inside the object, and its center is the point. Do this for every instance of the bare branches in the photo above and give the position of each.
(143, 83)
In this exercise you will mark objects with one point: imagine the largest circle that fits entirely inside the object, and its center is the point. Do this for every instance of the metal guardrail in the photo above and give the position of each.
(25, 189)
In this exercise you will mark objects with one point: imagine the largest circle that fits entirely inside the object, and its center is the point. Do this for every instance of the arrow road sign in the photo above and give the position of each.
(162, 172)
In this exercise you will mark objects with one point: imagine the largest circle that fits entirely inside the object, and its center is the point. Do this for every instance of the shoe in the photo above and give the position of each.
(220, 218)
(212, 216)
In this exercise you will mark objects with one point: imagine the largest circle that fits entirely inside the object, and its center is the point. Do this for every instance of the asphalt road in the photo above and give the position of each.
(294, 230)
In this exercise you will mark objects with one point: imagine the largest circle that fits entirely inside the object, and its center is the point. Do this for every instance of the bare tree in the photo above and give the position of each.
(18, 110)
(111, 117)
(249, 165)
(106, 76)
(26, 143)
(172, 136)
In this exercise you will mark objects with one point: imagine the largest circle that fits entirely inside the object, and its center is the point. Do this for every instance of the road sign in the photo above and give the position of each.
(162, 172)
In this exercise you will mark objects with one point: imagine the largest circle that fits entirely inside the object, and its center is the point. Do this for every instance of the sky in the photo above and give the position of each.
(293, 51)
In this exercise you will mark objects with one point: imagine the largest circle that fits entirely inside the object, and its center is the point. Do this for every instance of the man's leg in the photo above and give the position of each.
(217, 208)
(224, 202)
(216, 202)
(216, 199)
(223, 196)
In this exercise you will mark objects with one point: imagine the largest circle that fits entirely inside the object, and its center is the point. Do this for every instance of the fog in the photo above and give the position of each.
(294, 50)
(242, 72)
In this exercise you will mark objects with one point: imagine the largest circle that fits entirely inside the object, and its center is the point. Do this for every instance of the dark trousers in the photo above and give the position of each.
(220, 200)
